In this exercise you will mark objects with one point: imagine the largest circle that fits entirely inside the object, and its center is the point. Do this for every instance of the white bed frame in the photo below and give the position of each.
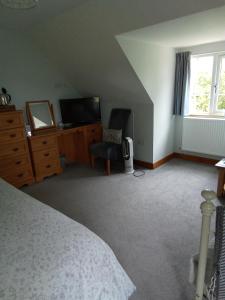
(207, 209)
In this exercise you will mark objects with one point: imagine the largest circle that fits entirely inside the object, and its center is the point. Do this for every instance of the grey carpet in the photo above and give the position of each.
(152, 223)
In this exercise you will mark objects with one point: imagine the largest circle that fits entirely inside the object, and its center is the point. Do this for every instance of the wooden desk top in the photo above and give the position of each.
(221, 163)
(63, 131)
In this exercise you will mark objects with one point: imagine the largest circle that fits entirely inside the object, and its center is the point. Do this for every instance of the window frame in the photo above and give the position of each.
(213, 111)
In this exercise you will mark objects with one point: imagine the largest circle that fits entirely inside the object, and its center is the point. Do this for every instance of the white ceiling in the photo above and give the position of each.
(123, 14)
(195, 29)
(26, 19)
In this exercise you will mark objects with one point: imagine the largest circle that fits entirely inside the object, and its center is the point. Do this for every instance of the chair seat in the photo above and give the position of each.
(108, 151)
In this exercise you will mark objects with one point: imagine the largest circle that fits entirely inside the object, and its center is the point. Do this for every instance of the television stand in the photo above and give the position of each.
(74, 143)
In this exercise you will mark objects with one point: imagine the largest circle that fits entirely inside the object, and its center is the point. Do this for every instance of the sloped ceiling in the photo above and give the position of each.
(24, 20)
(82, 43)
(199, 28)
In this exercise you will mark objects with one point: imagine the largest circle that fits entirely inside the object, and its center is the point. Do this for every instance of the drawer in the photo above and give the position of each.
(43, 156)
(47, 168)
(95, 130)
(96, 135)
(20, 177)
(12, 135)
(94, 139)
(11, 120)
(14, 149)
(9, 164)
(43, 142)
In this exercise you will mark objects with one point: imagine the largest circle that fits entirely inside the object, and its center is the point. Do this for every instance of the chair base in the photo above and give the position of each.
(107, 165)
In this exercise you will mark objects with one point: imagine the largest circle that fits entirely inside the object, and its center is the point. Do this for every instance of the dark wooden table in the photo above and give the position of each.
(221, 177)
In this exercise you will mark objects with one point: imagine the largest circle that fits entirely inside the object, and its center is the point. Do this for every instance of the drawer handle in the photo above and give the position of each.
(48, 166)
(20, 175)
(13, 135)
(93, 130)
(10, 121)
(18, 162)
(15, 149)
(44, 142)
(46, 154)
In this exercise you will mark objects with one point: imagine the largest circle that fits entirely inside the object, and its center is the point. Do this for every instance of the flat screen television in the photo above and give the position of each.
(80, 111)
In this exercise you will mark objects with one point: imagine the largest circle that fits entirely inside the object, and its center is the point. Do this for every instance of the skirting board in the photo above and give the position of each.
(183, 156)
(143, 164)
(155, 165)
(194, 158)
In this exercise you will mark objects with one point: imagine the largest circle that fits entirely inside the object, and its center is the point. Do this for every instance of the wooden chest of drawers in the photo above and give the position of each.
(94, 134)
(45, 155)
(15, 164)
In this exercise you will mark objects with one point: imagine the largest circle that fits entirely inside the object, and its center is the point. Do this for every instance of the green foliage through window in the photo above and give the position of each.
(208, 84)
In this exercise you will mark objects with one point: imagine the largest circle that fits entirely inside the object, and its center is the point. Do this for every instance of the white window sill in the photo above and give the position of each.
(206, 117)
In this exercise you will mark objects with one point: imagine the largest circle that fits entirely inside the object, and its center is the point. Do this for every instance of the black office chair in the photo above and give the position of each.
(109, 151)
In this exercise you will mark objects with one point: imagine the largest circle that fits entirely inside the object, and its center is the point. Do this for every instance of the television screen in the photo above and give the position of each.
(80, 111)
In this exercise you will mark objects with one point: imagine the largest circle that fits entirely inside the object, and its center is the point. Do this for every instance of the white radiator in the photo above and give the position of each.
(204, 136)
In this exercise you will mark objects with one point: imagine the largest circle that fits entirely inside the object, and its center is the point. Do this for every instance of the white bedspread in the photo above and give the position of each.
(45, 255)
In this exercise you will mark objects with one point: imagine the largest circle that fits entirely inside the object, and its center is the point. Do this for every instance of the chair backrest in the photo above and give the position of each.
(119, 118)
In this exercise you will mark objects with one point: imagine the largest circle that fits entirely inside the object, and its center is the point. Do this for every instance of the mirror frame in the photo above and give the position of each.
(31, 121)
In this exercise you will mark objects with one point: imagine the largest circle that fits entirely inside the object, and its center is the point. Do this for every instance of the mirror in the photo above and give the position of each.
(40, 115)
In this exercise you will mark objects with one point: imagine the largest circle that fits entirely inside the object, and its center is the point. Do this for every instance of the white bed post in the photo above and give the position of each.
(207, 209)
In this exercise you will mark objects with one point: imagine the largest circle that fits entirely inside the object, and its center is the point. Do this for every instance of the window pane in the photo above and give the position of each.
(221, 86)
(201, 84)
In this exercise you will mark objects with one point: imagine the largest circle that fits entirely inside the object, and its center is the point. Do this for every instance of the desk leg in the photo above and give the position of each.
(92, 161)
(108, 171)
(220, 186)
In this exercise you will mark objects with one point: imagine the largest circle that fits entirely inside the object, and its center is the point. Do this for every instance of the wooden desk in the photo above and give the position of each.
(221, 177)
(74, 143)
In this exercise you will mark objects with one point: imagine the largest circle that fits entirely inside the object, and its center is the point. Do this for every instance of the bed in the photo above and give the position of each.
(45, 255)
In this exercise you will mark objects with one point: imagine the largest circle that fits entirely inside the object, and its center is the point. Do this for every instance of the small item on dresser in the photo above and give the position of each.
(28, 130)
(5, 99)
(60, 125)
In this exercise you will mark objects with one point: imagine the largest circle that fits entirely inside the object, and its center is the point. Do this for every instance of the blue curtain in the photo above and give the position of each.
(182, 81)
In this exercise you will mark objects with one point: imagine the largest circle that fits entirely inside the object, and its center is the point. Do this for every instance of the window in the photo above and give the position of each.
(207, 86)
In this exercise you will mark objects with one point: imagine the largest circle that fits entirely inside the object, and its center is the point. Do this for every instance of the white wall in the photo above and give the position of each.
(205, 48)
(154, 66)
(28, 75)
(164, 120)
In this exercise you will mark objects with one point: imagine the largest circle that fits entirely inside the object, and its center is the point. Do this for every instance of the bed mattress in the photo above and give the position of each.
(46, 255)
